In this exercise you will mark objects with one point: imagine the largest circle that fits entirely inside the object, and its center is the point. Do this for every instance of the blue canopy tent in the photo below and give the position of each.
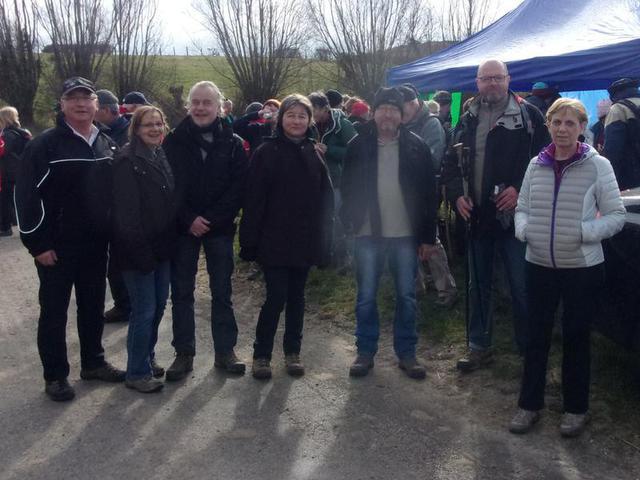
(572, 45)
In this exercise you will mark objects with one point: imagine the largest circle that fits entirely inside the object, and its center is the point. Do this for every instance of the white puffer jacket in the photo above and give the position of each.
(563, 226)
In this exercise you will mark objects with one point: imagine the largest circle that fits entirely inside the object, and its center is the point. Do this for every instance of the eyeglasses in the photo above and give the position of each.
(152, 125)
(80, 98)
(493, 78)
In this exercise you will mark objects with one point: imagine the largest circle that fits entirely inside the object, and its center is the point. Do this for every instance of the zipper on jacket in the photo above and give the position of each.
(556, 191)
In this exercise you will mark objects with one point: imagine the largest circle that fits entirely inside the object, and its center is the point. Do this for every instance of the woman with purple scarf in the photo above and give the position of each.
(569, 202)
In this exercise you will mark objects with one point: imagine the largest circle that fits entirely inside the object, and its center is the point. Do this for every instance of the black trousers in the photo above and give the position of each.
(7, 212)
(118, 288)
(84, 269)
(285, 285)
(578, 290)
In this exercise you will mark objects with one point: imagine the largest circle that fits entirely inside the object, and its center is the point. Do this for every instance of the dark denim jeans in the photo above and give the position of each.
(148, 293)
(285, 285)
(578, 290)
(85, 269)
(481, 257)
(184, 266)
(370, 257)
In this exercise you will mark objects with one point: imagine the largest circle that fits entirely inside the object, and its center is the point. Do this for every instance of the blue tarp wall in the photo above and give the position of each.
(574, 45)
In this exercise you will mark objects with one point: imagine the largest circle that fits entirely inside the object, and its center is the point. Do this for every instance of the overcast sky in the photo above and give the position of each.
(180, 29)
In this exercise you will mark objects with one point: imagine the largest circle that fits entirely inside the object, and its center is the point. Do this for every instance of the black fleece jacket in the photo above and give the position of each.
(212, 187)
(63, 191)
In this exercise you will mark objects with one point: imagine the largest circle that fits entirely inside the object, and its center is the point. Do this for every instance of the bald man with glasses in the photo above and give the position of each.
(490, 150)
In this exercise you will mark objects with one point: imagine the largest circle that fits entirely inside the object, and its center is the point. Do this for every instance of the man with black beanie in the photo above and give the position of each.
(621, 132)
(390, 201)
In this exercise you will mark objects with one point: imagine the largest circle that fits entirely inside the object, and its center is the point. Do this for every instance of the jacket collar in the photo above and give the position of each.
(546, 157)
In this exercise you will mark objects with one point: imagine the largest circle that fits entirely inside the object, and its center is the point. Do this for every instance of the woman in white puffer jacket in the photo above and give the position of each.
(569, 202)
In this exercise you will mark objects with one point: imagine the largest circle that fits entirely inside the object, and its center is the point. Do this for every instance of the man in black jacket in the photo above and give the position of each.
(389, 204)
(62, 200)
(210, 170)
(499, 134)
(621, 142)
(116, 126)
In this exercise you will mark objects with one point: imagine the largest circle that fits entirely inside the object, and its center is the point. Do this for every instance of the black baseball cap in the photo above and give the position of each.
(77, 83)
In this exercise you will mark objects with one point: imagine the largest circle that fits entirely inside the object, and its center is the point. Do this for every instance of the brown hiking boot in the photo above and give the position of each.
(474, 359)
(523, 421)
(412, 368)
(261, 368)
(294, 366)
(361, 366)
(180, 368)
(229, 362)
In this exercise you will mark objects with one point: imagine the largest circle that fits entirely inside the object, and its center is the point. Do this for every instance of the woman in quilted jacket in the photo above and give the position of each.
(569, 202)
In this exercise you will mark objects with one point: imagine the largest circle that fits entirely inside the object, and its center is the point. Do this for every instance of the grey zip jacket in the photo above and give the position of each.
(564, 218)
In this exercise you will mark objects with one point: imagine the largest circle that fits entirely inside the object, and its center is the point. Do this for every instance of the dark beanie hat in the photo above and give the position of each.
(253, 107)
(409, 92)
(388, 96)
(623, 84)
(442, 97)
(335, 98)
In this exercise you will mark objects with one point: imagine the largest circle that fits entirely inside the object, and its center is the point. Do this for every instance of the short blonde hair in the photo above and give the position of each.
(434, 107)
(9, 117)
(576, 106)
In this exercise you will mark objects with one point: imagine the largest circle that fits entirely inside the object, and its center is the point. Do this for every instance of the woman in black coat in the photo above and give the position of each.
(286, 226)
(15, 138)
(144, 235)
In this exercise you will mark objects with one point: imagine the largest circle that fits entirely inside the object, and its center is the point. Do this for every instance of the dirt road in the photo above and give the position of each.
(322, 426)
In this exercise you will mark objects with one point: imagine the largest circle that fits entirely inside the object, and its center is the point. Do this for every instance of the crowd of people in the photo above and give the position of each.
(319, 180)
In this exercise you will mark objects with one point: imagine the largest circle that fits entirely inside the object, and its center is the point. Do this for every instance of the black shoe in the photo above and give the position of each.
(181, 366)
(116, 315)
(412, 368)
(6, 233)
(156, 370)
(474, 359)
(106, 373)
(361, 366)
(229, 362)
(59, 390)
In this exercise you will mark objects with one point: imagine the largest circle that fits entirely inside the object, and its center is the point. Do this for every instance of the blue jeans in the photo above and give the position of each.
(148, 293)
(481, 255)
(370, 256)
(184, 266)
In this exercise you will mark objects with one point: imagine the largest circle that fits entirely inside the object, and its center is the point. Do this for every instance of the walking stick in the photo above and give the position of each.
(463, 154)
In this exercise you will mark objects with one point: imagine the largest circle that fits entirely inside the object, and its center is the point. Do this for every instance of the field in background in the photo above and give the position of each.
(187, 70)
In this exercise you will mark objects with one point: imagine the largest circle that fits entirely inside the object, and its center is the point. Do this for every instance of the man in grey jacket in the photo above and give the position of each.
(417, 118)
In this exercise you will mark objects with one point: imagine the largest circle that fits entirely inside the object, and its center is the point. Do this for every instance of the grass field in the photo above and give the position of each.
(187, 70)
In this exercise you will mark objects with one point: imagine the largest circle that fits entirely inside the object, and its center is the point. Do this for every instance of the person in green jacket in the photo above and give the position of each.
(333, 132)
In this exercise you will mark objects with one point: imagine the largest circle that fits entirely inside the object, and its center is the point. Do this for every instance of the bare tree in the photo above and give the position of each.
(259, 39)
(463, 18)
(136, 39)
(80, 33)
(364, 36)
(20, 65)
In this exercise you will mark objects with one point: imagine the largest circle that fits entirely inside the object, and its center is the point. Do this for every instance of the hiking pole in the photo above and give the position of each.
(463, 154)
